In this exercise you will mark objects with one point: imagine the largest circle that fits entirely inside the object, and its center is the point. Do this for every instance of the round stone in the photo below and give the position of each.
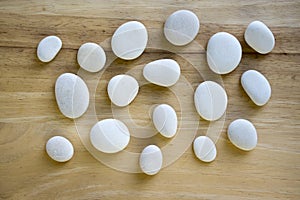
(205, 149)
(151, 160)
(181, 27)
(224, 53)
(91, 57)
(48, 48)
(59, 149)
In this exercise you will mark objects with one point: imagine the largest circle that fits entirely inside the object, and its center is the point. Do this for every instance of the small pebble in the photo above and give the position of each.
(151, 160)
(163, 72)
(109, 136)
(59, 149)
(205, 149)
(48, 48)
(122, 89)
(210, 100)
(165, 120)
(181, 27)
(224, 53)
(91, 57)
(259, 37)
(242, 134)
(256, 86)
(72, 95)
(129, 40)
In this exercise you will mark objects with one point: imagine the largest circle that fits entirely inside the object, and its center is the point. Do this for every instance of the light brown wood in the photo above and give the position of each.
(29, 115)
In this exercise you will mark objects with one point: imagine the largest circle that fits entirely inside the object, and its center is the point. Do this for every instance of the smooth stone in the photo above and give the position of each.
(72, 95)
(48, 48)
(109, 136)
(151, 160)
(181, 27)
(205, 149)
(163, 72)
(256, 86)
(165, 120)
(259, 37)
(122, 89)
(59, 149)
(129, 40)
(242, 134)
(91, 57)
(224, 53)
(210, 100)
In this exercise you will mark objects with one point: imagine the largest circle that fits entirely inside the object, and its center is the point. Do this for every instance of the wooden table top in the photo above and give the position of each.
(29, 115)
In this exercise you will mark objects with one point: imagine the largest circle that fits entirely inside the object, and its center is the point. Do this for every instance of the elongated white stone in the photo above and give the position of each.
(91, 57)
(109, 136)
(151, 160)
(129, 40)
(48, 48)
(205, 149)
(72, 95)
(163, 72)
(256, 86)
(59, 149)
(242, 134)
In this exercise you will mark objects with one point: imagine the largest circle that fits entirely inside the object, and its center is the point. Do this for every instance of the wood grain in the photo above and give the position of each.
(29, 115)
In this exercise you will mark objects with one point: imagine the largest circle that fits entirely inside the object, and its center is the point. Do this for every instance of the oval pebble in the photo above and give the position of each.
(129, 40)
(91, 57)
(151, 160)
(242, 134)
(165, 120)
(181, 27)
(256, 86)
(163, 72)
(224, 53)
(48, 48)
(72, 95)
(109, 136)
(259, 37)
(122, 89)
(59, 149)
(205, 149)
(210, 100)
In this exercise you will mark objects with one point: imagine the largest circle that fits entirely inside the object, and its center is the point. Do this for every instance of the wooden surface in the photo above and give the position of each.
(29, 115)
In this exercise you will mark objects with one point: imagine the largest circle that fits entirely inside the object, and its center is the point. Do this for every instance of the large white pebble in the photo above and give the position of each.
(122, 89)
(163, 72)
(165, 120)
(242, 134)
(109, 136)
(151, 160)
(259, 37)
(256, 86)
(210, 100)
(205, 149)
(91, 57)
(224, 53)
(48, 48)
(72, 95)
(181, 27)
(59, 149)
(129, 40)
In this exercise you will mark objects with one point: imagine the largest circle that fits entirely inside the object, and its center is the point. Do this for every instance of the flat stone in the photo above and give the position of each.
(48, 48)
(151, 160)
(59, 149)
(205, 149)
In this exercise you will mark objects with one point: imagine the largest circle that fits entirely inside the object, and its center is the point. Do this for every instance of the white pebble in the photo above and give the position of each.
(256, 86)
(129, 40)
(163, 72)
(210, 100)
(151, 160)
(165, 120)
(72, 95)
(59, 149)
(48, 48)
(122, 89)
(109, 136)
(91, 57)
(259, 37)
(224, 53)
(242, 134)
(181, 27)
(205, 149)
